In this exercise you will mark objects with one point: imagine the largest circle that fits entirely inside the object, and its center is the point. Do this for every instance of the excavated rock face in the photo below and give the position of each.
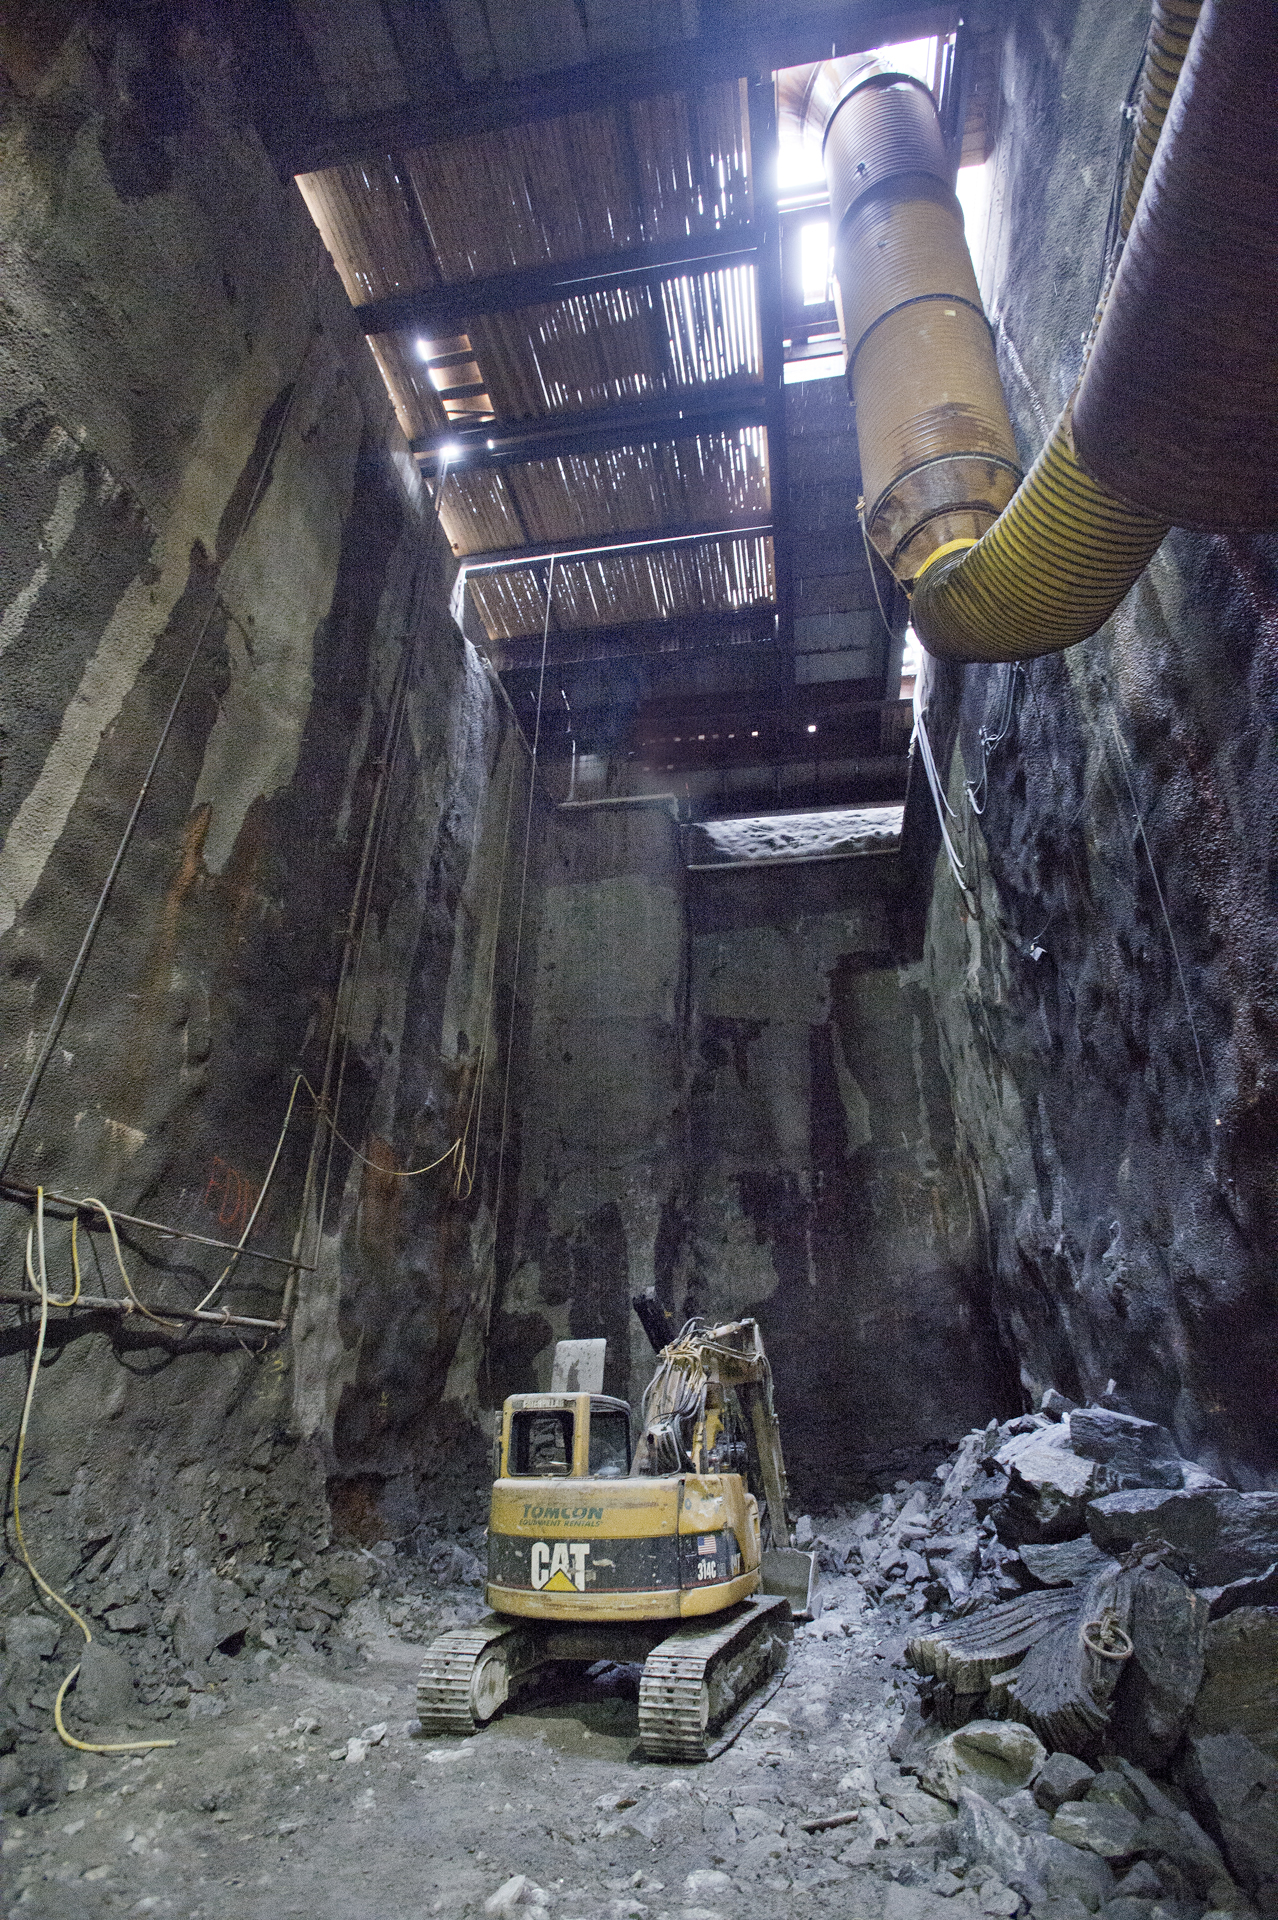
(1110, 1023)
(201, 475)
(738, 1097)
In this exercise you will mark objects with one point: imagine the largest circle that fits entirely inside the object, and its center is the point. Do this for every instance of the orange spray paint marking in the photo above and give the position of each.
(230, 1195)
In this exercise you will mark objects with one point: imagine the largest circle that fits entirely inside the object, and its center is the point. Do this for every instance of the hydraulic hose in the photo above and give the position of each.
(1049, 572)
(1170, 33)
(1069, 548)
(1062, 554)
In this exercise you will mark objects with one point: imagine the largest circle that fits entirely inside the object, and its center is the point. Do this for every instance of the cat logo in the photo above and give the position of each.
(561, 1568)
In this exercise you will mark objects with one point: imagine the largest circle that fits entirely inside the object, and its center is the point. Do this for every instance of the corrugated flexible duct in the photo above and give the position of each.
(1178, 410)
(1065, 551)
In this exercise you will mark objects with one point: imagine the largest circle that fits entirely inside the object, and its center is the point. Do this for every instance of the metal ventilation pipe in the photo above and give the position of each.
(1156, 399)
(938, 458)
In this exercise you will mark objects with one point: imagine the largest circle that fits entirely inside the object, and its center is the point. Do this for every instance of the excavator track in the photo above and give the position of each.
(468, 1675)
(703, 1684)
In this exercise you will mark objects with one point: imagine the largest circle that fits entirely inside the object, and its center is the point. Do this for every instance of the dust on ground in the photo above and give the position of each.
(312, 1792)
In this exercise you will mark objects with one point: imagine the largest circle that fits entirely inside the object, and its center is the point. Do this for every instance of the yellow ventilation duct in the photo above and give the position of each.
(996, 571)
(938, 458)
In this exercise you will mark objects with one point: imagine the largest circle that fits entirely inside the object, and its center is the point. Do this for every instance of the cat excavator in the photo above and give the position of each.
(675, 1552)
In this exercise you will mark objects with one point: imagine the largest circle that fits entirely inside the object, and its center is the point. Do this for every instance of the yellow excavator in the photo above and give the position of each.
(675, 1553)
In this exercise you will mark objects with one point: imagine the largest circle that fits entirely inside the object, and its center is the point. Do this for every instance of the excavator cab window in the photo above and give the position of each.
(609, 1443)
(541, 1443)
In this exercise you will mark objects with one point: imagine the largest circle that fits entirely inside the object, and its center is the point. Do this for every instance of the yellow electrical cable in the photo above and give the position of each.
(100, 1206)
(396, 1173)
(54, 1299)
(68, 1739)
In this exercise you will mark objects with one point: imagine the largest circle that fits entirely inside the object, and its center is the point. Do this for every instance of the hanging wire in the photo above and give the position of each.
(869, 561)
(992, 738)
(519, 923)
(939, 800)
(1180, 971)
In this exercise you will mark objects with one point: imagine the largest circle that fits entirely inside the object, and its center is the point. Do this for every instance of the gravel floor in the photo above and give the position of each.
(268, 1809)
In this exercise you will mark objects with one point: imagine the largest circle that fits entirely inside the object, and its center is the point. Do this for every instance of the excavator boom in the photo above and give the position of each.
(712, 1383)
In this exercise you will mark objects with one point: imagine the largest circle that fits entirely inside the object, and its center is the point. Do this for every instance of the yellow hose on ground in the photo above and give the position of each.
(67, 1739)
(1065, 551)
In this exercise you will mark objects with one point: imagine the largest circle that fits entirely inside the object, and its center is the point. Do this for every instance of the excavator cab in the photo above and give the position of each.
(579, 1436)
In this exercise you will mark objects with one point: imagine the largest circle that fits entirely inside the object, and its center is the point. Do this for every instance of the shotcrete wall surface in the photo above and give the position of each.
(739, 1100)
(1109, 1024)
(201, 476)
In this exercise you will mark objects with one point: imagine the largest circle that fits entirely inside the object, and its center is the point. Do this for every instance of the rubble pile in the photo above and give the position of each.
(1095, 1641)
(181, 1640)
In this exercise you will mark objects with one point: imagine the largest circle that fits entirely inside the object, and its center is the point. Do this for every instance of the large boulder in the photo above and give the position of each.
(1064, 1777)
(1038, 1865)
(1111, 1832)
(208, 1613)
(1219, 1534)
(1048, 1486)
(1134, 1453)
(105, 1693)
(1064, 1873)
(1063, 1563)
(1239, 1691)
(1234, 1787)
(993, 1757)
(1168, 1628)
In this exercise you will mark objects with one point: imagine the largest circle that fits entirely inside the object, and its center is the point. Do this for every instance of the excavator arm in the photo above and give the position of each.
(711, 1385)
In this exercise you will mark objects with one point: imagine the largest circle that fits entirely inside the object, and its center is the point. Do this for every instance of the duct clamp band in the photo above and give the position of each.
(948, 546)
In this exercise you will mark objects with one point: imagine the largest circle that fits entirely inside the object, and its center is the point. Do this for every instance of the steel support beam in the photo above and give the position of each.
(446, 309)
(763, 169)
(706, 633)
(452, 110)
(604, 545)
(676, 416)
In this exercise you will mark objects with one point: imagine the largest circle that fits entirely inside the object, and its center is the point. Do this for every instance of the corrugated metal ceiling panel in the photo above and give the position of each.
(709, 480)
(659, 583)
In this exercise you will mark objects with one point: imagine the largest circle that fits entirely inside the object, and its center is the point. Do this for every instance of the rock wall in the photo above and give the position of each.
(223, 601)
(738, 1098)
(1109, 1022)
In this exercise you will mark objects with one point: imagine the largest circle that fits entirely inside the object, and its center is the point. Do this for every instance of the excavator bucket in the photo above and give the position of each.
(794, 1575)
